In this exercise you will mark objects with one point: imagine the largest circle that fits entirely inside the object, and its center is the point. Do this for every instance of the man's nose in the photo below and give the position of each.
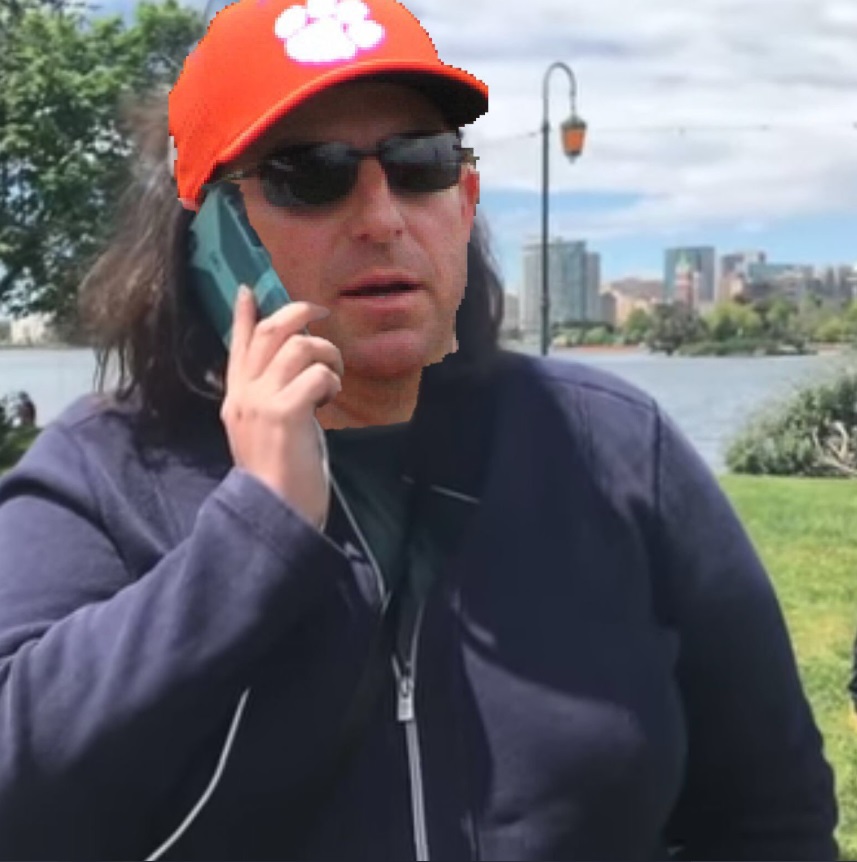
(375, 210)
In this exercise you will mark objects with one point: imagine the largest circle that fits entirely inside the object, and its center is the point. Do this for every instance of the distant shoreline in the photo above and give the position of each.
(46, 346)
(642, 350)
(602, 348)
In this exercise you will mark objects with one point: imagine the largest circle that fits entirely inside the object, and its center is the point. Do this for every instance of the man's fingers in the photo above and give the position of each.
(300, 352)
(312, 388)
(270, 334)
(243, 323)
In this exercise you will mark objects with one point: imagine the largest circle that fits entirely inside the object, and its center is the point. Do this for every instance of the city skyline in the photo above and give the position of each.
(699, 277)
(668, 257)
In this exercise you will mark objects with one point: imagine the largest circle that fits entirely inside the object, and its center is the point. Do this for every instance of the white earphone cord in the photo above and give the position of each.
(215, 778)
(325, 466)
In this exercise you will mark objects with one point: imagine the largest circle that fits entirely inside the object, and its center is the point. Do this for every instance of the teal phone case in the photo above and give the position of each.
(224, 252)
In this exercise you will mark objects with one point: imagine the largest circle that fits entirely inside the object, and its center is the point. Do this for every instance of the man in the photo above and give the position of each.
(526, 624)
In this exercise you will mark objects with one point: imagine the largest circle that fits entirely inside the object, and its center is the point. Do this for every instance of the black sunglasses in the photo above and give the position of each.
(314, 175)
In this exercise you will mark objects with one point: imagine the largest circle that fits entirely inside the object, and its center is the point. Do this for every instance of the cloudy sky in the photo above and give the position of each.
(724, 122)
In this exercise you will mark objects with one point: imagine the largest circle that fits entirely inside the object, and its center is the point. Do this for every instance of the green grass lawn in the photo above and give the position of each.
(806, 532)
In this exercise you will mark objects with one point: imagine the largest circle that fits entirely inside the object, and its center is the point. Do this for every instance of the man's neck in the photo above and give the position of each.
(363, 403)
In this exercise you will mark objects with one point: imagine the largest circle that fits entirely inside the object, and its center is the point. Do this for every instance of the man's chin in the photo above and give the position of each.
(393, 354)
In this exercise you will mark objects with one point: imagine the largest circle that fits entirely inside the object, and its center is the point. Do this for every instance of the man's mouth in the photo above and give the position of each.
(380, 289)
(380, 284)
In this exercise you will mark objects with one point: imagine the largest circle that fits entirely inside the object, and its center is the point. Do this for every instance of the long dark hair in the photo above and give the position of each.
(152, 341)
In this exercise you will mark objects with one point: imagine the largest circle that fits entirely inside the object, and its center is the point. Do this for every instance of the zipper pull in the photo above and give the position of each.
(405, 709)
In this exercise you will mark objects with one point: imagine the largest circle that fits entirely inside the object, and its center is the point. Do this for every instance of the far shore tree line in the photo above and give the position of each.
(768, 326)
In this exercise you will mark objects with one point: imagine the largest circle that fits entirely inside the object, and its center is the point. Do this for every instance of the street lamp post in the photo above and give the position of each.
(573, 137)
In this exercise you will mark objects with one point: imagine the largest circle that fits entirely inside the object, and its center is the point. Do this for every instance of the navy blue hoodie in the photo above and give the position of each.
(602, 669)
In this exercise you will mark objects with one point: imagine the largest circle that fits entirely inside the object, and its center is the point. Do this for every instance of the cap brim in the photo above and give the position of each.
(460, 102)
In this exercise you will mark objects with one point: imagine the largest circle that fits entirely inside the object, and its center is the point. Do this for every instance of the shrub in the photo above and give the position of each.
(15, 437)
(598, 335)
(832, 331)
(5, 428)
(812, 434)
(736, 347)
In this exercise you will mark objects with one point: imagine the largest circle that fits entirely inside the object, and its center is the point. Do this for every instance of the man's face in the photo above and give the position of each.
(373, 232)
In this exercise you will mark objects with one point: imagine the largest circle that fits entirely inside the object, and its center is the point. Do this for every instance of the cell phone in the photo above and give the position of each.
(225, 252)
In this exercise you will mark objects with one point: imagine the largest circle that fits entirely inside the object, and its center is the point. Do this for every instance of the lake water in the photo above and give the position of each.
(709, 398)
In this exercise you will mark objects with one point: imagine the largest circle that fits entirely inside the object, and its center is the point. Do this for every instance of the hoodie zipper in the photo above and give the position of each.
(406, 677)
(405, 684)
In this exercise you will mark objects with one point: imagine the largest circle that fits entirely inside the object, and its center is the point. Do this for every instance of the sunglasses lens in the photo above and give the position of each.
(311, 176)
(423, 164)
(322, 174)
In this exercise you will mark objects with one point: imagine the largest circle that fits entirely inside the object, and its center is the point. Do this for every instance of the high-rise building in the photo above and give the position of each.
(839, 283)
(848, 275)
(571, 277)
(609, 307)
(694, 269)
(738, 262)
(787, 280)
(530, 314)
(593, 287)
(511, 313)
(734, 271)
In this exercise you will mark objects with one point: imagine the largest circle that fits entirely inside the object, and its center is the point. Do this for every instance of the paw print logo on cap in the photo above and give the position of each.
(327, 31)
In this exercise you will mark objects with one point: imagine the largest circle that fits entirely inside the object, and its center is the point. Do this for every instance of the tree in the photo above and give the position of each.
(748, 323)
(721, 321)
(780, 318)
(674, 325)
(729, 320)
(850, 318)
(637, 326)
(597, 335)
(831, 331)
(64, 153)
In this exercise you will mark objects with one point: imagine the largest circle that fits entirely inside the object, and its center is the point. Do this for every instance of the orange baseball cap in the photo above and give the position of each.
(261, 58)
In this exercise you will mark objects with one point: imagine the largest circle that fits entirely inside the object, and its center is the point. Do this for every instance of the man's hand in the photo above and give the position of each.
(276, 378)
